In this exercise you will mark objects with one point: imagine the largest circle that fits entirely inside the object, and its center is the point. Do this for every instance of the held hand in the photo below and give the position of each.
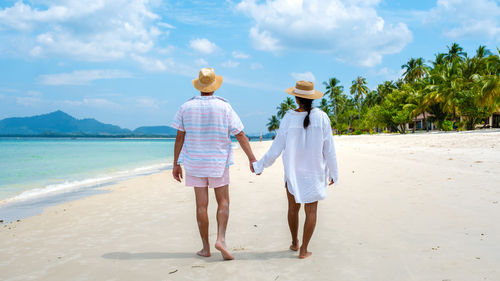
(251, 165)
(331, 182)
(252, 169)
(177, 173)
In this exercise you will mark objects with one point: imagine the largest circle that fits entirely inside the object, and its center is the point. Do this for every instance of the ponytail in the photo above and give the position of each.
(307, 105)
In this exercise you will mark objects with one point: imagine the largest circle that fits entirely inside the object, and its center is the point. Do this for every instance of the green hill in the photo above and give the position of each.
(57, 123)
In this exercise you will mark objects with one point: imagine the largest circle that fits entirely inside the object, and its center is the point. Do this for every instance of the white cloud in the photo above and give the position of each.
(166, 25)
(465, 19)
(230, 64)
(28, 101)
(91, 30)
(92, 102)
(81, 77)
(306, 76)
(8, 90)
(150, 64)
(147, 102)
(250, 84)
(166, 50)
(263, 40)
(166, 65)
(34, 94)
(347, 29)
(240, 55)
(255, 66)
(202, 45)
(387, 74)
(201, 63)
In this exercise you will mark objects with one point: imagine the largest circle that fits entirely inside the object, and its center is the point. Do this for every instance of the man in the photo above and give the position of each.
(203, 145)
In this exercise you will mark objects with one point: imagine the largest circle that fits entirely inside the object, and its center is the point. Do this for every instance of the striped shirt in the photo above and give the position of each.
(208, 122)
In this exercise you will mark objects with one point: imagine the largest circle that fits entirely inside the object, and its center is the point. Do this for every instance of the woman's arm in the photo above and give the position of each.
(274, 151)
(329, 153)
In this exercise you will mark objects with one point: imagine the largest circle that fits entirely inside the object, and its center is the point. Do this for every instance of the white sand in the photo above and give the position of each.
(412, 207)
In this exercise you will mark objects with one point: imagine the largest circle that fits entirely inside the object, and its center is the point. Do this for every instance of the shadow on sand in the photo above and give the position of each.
(239, 255)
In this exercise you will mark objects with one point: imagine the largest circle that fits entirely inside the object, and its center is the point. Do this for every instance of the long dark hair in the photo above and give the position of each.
(307, 105)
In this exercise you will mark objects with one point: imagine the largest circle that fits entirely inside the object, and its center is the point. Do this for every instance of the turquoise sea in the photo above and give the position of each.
(39, 167)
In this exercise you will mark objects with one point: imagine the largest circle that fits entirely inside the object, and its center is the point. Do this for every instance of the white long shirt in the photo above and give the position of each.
(309, 155)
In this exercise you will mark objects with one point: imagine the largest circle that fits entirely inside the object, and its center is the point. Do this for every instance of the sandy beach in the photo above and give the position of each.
(407, 207)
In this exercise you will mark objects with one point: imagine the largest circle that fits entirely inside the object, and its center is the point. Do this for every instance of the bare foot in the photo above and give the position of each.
(304, 253)
(221, 246)
(204, 253)
(294, 246)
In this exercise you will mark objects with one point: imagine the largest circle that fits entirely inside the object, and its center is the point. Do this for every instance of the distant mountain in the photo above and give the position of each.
(155, 130)
(57, 123)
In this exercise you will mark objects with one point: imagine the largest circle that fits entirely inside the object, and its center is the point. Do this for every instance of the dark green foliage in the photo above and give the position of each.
(455, 91)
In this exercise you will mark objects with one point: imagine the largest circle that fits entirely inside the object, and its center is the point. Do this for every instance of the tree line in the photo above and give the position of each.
(454, 91)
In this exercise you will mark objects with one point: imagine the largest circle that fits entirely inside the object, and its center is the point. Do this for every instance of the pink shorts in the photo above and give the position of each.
(210, 182)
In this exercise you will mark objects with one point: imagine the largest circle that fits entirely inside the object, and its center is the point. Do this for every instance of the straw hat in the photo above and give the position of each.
(304, 89)
(207, 81)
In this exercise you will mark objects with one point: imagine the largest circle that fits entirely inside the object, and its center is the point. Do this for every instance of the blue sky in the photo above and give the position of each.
(131, 62)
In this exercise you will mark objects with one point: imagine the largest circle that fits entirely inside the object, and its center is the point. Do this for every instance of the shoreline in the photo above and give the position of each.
(32, 202)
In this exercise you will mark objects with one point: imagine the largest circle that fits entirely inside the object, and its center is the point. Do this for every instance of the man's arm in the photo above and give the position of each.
(245, 145)
(179, 142)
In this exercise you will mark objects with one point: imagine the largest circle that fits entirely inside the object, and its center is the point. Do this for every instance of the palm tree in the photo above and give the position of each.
(493, 64)
(409, 67)
(324, 106)
(448, 83)
(273, 124)
(490, 92)
(420, 70)
(372, 98)
(384, 89)
(334, 91)
(414, 69)
(420, 101)
(482, 52)
(358, 90)
(455, 54)
(439, 59)
(284, 106)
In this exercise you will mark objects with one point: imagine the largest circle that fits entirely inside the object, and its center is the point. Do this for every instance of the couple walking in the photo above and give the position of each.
(203, 146)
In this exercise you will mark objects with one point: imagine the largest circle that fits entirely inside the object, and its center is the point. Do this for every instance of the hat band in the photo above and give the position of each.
(303, 92)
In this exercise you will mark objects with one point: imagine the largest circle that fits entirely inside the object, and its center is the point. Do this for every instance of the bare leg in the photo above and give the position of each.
(201, 194)
(222, 196)
(309, 226)
(293, 220)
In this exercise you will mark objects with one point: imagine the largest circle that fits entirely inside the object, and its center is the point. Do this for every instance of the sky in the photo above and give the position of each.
(131, 62)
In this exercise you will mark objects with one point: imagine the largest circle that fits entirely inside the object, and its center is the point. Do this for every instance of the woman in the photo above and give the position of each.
(306, 141)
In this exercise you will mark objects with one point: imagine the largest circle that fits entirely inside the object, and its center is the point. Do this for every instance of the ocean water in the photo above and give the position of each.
(32, 168)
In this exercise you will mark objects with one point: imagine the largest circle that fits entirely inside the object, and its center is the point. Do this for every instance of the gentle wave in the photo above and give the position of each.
(69, 186)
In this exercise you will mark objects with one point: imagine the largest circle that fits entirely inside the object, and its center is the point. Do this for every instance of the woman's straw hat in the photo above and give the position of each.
(304, 89)
(207, 81)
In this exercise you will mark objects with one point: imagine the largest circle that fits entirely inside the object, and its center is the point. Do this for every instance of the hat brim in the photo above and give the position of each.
(208, 88)
(316, 95)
